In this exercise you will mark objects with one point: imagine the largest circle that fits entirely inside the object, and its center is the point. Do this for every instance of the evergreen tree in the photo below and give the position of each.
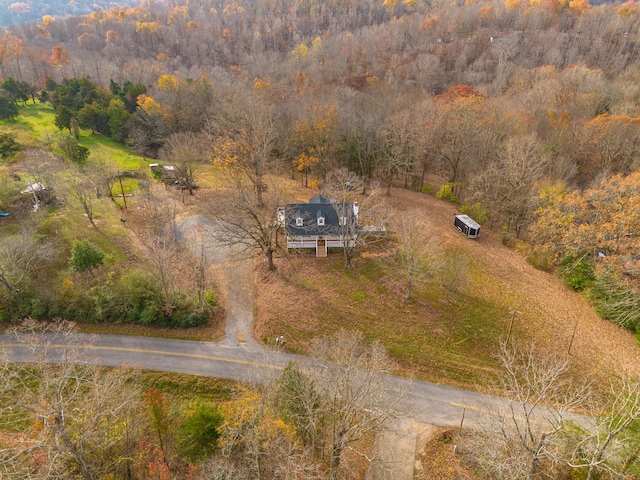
(85, 256)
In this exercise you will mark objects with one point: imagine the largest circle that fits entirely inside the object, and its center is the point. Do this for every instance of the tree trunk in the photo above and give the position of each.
(260, 201)
(272, 266)
(79, 459)
(347, 258)
(632, 458)
(534, 467)
(424, 174)
(336, 453)
(536, 457)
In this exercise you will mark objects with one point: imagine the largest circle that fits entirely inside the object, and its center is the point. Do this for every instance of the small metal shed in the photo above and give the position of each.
(467, 225)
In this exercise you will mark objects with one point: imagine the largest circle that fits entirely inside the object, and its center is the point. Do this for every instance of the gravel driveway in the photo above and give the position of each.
(234, 281)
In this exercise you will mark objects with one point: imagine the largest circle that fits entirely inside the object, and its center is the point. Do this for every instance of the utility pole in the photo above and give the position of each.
(573, 335)
(513, 313)
(122, 190)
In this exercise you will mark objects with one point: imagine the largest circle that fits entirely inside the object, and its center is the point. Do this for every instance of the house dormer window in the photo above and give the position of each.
(299, 222)
(343, 220)
(320, 218)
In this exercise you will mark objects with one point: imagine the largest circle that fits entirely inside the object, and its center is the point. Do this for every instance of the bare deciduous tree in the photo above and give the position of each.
(158, 224)
(342, 189)
(529, 429)
(360, 131)
(349, 379)
(84, 191)
(247, 219)
(104, 174)
(399, 137)
(417, 252)
(71, 419)
(507, 186)
(199, 263)
(612, 445)
(20, 255)
(185, 152)
(243, 131)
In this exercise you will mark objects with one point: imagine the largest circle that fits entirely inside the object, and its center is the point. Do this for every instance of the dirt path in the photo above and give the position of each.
(549, 309)
(234, 281)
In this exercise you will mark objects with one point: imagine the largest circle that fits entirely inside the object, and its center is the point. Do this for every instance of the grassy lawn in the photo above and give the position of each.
(437, 335)
(112, 151)
(35, 126)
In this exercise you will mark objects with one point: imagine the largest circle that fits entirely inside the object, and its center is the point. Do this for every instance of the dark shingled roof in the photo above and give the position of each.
(319, 199)
(310, 212)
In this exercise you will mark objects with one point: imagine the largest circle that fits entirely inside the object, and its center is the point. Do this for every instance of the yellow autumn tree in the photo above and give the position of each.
(300, 51)
(315, 140)
(605, 218)
(257, 439)
(305, 164)
(259, 84)
(149, 105)
(168, 83)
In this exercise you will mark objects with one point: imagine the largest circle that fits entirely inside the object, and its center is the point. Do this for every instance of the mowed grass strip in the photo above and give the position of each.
(35, 126)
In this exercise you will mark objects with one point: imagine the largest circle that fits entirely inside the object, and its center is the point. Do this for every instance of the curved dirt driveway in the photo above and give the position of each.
(234, 281)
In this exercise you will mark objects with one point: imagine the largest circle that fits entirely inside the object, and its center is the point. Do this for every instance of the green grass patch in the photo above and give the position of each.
(124, 185)
(105, 147)
(359, 296)
(212, 389)
(35, 126)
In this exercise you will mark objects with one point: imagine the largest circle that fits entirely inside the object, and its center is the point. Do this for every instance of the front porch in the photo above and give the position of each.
(321, 244)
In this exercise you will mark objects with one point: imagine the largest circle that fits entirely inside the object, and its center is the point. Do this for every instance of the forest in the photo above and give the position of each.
(524, 115)
(528, 112)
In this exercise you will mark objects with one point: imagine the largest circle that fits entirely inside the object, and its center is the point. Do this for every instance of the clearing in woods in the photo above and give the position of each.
(448, 333)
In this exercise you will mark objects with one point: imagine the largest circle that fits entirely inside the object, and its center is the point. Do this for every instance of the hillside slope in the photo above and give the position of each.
(441, 335)
(548, 308)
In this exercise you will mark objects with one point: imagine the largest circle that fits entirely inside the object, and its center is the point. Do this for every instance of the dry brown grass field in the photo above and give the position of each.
(446, 333)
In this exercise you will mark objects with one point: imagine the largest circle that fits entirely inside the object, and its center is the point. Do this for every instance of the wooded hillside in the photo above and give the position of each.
(514, 105)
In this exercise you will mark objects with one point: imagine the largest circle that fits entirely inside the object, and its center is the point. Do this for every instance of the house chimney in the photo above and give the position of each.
(355, 209)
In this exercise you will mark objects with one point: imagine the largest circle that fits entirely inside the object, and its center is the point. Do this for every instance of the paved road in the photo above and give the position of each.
(239, 357)
(426, 402)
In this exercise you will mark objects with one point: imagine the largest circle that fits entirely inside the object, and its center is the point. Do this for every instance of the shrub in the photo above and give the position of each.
(150, 314)
(13, 308)
(8, 109)
(189, 320)
(508, 240)
(476, 211)
(8, 146)
(134, 297)
(85, 256)
(72, 150)
(615, 300)
(578, 273)
(198, 435)
(445, 192)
